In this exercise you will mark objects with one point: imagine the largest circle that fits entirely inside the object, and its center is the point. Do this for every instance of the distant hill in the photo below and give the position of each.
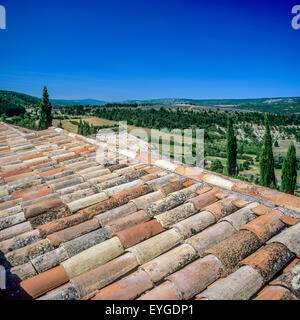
(288, 105)
(84, 102)
(18, 98)
(220, 102)
(25, 99)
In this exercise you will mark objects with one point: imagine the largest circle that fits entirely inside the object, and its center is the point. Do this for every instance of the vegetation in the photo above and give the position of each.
(45, 110)
(289, 171)
(217, 166)
(240, 146)
(231, 149)
(266, 161)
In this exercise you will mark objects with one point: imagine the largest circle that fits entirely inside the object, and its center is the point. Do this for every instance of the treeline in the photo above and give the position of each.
(85, 129)
(266, 161)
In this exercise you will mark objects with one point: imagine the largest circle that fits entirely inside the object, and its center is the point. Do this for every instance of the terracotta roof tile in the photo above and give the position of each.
(155, 246)
(20, 273)
(188, 183)
(170, 217)
(196, 276)
(165, 291)
(240, 285)
(205, 199)
(73, 232)
(44, 282)
(40, 155)
(53, 172)
(19, 177)
(169, 262)
(289, 279)
(14, 173)
(139, 233)
(241, 217)
(25, 254)
(269, 260)
(15, 230)
(61, 224)
(87, 201)
(151, 170)
(172, 200)
(127, 288)
(105, 274)
(290, 238)
(86, 241)
(222, 208)
(261, 209)
(172, 187)
(36, 209)
(194, 224)
(192, 173)
(203, 190)
(107, 217)
(93, 257)
(128, 221)
(66, 292)
(49, 260)
(143, 201)
(211, 237)
(99, 207)
(276, 293)
(290, 266)
(125, 196)
(240, 203)
(290, 221)
(19, 241)
(234, 249)
(266, 226)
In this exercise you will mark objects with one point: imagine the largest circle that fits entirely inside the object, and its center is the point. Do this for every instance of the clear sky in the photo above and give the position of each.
(139, 49)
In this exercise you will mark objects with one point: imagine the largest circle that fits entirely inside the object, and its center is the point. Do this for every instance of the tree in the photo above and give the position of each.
(217, 166)
(246, 165)
(45, 117)
(276, 144)
(266, 159)
(231, 149)
(80, 127)
(3, 117)
(289, 171)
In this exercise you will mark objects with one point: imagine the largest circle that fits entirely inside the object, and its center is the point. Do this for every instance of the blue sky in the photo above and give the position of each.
(137, 49)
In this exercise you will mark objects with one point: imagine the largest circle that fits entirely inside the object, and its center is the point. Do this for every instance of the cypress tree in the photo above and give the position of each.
(80, 127)
(266, 159)
(45, 117)
(289, 171)
(231, 149)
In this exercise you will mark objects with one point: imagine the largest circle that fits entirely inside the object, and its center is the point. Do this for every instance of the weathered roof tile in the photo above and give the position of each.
(234, 249)
(105, 274)
(265, 226)
(196, 276)
(276, 293)
(44, 282)
(240, 285)
(127, 288)
(269, 260)
(136, 234)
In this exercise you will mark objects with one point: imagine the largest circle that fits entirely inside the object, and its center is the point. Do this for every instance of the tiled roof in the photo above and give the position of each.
(72, 228)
